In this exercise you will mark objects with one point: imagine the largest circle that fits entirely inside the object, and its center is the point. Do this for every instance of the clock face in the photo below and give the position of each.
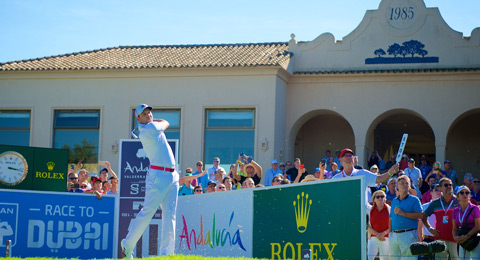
(13, 168)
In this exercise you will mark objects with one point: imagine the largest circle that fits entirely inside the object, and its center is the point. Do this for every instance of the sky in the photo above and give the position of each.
(39, 28)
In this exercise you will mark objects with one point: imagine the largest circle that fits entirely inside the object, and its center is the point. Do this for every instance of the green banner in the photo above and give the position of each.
(32, 168)
(326, 217)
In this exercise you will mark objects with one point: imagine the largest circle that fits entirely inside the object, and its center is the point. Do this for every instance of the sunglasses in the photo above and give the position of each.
(379, 197)
(221, 188)
(447, 185)
(197, 190)
(437, 190)
(216, 161)
(83, 186)
(348, 155)
(469, 177)
(199, 164)
(277, 180)
(73, 178)
(476, 181)
(464, 193)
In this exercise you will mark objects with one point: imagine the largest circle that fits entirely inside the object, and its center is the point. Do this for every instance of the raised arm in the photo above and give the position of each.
(166, 123)
(109, 168)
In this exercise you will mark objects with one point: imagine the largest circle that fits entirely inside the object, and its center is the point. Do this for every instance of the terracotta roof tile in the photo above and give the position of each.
(167, 56)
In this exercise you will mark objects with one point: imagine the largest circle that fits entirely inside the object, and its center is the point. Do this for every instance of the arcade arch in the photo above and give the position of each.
(387, 129)
(318, 131)
(463, 142)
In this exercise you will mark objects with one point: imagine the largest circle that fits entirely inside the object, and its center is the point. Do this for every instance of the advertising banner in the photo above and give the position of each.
(33, 168)
(134, 166)
(133, 169)
(57, 225)
(216, 224)
(327, 217)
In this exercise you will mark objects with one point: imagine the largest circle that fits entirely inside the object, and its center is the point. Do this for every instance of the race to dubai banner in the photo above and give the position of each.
(57, 225)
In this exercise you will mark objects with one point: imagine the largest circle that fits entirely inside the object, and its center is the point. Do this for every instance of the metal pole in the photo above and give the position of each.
(8, 250)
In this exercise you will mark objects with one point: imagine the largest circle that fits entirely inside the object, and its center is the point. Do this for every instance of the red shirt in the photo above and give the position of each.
(379, 219)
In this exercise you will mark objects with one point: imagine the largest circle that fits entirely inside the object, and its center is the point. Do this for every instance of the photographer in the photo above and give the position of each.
(293, 173)
(252, 169)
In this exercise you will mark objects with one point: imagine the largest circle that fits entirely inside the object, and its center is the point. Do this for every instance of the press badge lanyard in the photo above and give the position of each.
(445, 218)
(461, 219)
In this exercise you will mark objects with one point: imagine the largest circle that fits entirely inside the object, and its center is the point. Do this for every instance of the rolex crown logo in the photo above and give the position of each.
(50, 166)
(302, 211)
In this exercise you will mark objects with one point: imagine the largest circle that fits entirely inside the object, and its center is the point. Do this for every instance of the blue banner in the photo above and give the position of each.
(57, 225)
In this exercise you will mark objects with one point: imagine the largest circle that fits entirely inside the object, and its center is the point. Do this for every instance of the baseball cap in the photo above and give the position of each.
(436, 185)
(446, 161)
(212, 182)
(374, 167)
(316, 170)
(95, 179)
(460, 188)
(411, 160)
(274, 161)
(140, 109)
(346, 150)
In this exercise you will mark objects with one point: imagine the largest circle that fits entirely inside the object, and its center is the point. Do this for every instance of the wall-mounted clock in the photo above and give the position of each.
(13, 168)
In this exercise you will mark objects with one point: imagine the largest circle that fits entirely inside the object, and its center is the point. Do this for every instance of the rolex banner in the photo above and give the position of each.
(33, 168)
(327, 217)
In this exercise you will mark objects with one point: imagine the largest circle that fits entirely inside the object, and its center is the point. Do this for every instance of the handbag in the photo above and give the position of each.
(472, 241)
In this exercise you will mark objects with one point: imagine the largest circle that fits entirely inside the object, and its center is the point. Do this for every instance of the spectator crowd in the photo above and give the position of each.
(406, 202)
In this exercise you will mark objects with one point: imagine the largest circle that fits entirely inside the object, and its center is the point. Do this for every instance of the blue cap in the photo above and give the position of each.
(316, 170)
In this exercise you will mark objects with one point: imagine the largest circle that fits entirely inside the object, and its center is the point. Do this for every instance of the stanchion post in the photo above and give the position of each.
(8, 250)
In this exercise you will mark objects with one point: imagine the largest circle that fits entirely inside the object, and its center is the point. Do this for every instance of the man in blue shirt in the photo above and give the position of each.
(272, 173)
(406, 209)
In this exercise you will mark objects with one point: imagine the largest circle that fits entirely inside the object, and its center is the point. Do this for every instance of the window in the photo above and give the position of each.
(15, 127)
(228, 133)
(78, 131)
(171, 115)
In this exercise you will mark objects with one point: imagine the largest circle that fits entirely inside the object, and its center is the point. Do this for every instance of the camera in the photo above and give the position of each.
(324, 161)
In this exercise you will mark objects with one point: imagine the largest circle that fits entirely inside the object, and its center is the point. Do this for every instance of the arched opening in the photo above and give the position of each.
(319, 131)
(386, 132)
(463, 140)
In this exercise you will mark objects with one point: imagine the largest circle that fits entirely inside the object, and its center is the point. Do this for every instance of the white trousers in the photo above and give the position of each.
(474, 254)
(400, 244)
(376, 246)
(451, 250)
(161, 189)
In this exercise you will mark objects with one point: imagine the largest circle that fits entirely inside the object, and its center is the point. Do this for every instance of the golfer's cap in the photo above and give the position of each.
(140, 109)
(346, 150)
(274, 162)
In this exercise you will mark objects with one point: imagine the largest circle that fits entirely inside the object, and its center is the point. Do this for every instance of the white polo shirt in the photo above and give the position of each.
(414, 173)
(155, 144)
(370, 177)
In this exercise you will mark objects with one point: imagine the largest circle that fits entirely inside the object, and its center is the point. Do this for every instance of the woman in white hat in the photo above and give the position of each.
(467, 214)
